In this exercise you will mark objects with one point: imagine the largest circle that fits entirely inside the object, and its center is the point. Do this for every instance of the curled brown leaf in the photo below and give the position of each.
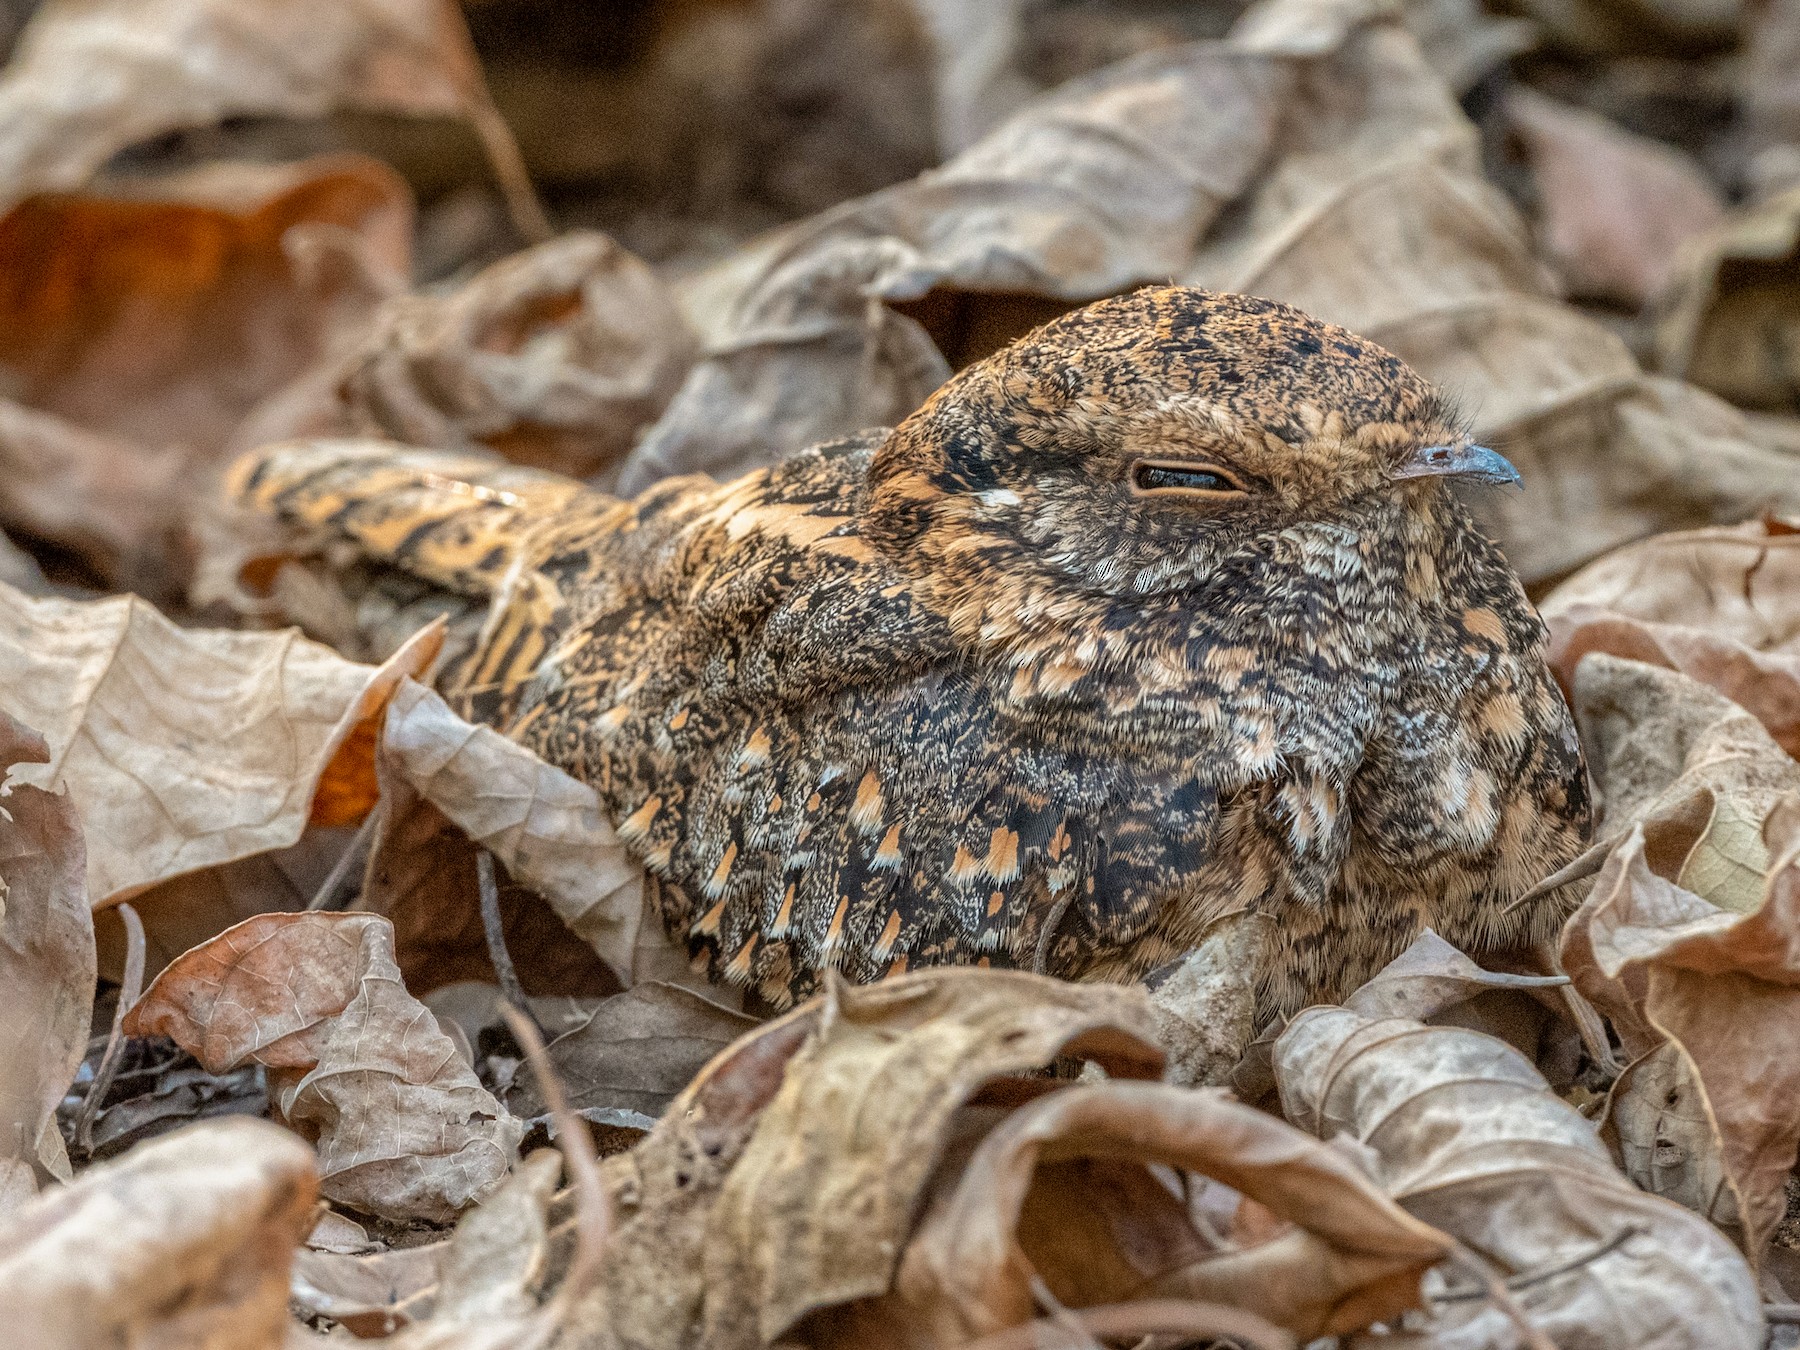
(1710, 1111)
(1059, 1189)
(403, 1128)
(554, 357)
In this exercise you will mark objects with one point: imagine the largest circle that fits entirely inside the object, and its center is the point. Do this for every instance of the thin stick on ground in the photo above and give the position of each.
(593, 1210)
(115, 1042)
(331, 894)
(510, 988)
(1145, 1317)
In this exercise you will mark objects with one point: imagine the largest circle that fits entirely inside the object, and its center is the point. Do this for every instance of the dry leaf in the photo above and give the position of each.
(1720, 605)
(138, 326)
(186, 748)
(1608, 27)
(1613, 208)
(547, 829)
(186, 910)
(1469, 1138)
(785, 1178)
(90, 77)
(490, 1270)
(1697, 771)
(1431, 977)
(46, 968)
(372, 1294)
(738, 114)
(1060, 1190)
(1206, 1002)
(114, 503)
(1465, 43)
(1731, 319)
(1724, 988)
(554, 357)
(185, 1243)
(636, 1053)
(404, 1130)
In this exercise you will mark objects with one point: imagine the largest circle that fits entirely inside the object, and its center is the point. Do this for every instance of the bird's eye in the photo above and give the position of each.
(1154, 476)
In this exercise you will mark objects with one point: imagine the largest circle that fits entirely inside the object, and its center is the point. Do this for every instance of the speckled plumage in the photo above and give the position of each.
(967, 690)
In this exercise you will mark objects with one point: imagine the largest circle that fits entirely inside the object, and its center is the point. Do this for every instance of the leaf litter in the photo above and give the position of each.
(206, 248)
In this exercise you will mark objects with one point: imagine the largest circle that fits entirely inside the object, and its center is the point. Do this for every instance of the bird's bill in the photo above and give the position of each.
(1475, 462)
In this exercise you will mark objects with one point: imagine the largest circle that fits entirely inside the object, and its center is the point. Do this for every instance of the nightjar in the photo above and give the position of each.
(1163, 613)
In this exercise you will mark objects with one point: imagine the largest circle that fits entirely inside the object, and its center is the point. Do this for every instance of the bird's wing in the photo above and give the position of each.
(834, 787)
(454, 520)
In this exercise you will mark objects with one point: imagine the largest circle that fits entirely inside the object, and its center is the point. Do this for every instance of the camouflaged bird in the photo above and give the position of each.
(1162, 613)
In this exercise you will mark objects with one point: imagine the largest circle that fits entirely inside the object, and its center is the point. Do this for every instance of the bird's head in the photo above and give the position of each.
(1130, 447)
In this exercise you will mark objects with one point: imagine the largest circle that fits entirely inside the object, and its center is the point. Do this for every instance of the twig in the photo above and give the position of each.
(593, 1210)
(1782, 1314)
(1585, 865)
(1501, 1296)
(1056, 1311)
(508, 163)
(115, 1041)
(1145, 1317)
(510, 988)
(328, 896)
(496, 137)
(1518, 1282)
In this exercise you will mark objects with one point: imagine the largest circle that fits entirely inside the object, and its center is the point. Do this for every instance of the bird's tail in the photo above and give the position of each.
(453, 520)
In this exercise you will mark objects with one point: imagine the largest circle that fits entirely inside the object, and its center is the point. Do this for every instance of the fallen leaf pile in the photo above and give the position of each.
(330, 1015)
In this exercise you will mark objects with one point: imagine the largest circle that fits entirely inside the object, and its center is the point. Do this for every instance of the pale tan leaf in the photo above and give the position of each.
(403, 1128)
(546, 828)
(1721, 605)
(1768, 80)
(489, 1272)
(636, 1053)
(554, 357)
(374, 1293)
(1206, 1002)
(46, 967)
(1665, 750)
(187, 748)
(1727, 320)
(1658, 1123)
(183, 1243)
(1430, 977)
(1469, 1138)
